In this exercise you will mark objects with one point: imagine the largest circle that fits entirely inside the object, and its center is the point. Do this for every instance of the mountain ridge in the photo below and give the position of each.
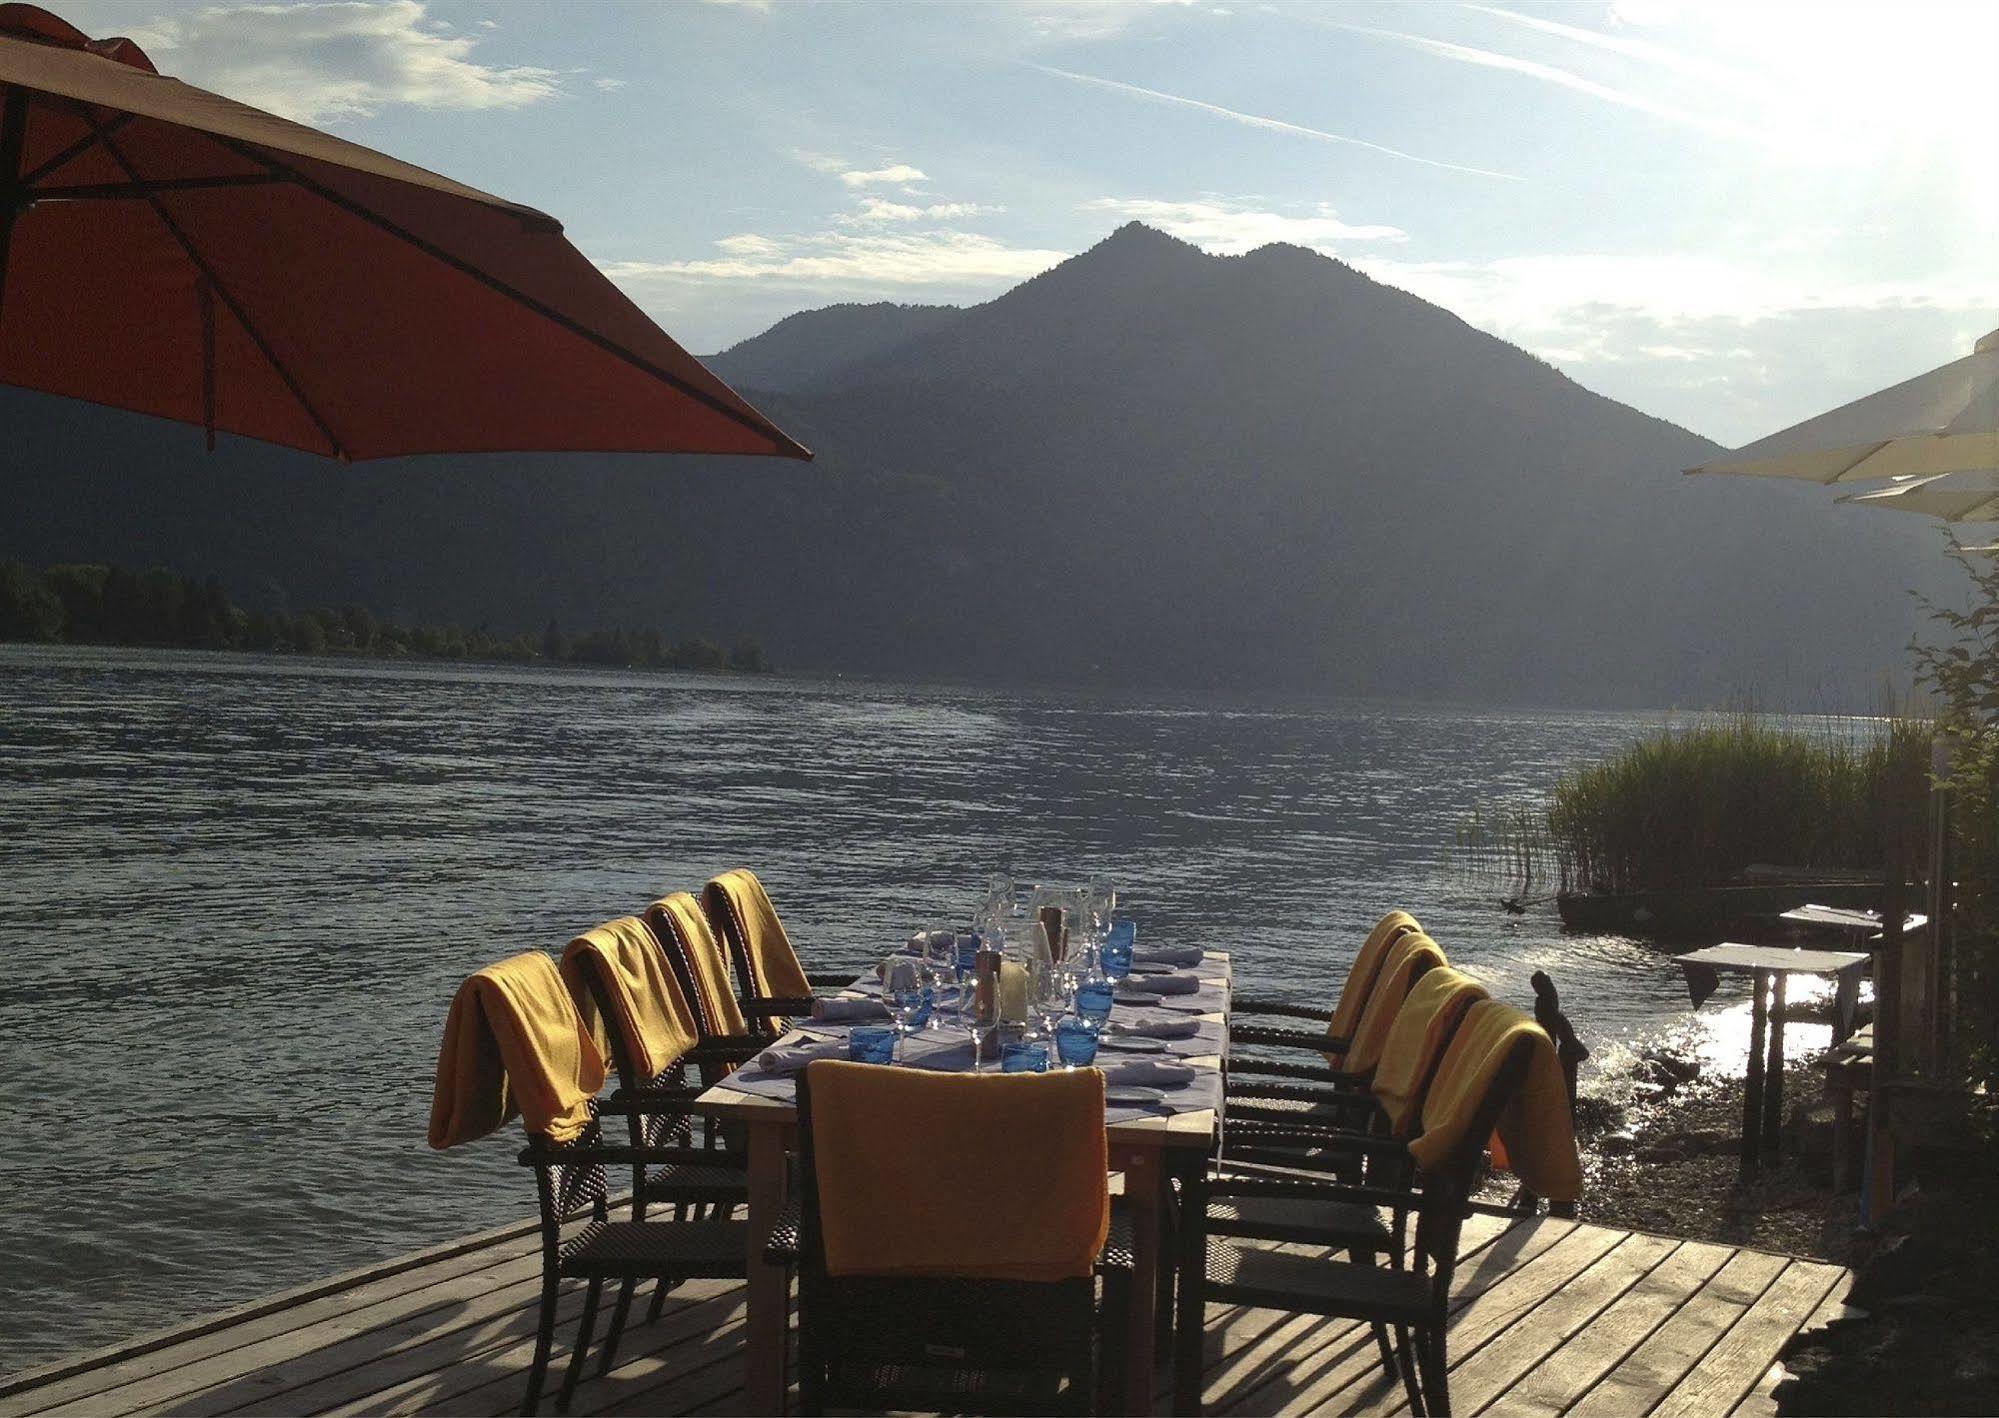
(1147, 465)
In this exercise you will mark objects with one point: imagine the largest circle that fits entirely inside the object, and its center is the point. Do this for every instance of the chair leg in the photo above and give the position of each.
(1111, 1323)
(1191, 1312)
(1405, 1365)
(617, 1329)
(1436, 1375)
(659, 1293)
(544, 1340)
(1381, 1342)
(576, 1356)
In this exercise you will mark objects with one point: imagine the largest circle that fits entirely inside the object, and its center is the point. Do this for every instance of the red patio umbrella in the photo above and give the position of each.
(168, 250)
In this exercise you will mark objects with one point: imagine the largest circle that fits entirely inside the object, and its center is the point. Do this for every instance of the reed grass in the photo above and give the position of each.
(1694, 804)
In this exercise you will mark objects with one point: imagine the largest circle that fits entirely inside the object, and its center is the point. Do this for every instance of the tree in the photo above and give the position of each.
(1962, 668)
(747, 657)
(553, 647)
(29, 610)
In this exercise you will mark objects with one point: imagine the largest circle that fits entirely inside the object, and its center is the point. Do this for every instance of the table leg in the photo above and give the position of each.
(1752, 1086)
(1773, 1077)
(1145, 1186)
(769, 1285)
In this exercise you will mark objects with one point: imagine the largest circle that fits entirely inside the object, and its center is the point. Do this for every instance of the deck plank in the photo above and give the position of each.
(1550, 1317)
(1648, 1374)
(1551, 1387)
(1480, 1375)
(1731, 1368)
(1762, 1402)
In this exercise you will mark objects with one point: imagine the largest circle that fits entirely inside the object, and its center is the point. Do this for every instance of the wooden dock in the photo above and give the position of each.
(1553, 1318)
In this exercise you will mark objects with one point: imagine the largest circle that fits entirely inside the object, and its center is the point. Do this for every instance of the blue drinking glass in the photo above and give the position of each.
(1075, 1042)
(1023, 1058)
(1093, 1002)
(875, 1046)
(1116, 954)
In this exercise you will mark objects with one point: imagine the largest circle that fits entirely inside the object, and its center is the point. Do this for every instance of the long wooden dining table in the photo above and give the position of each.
(1146, 1144)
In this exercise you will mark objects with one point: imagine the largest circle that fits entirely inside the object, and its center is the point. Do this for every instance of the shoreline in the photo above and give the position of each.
(1672, 1166)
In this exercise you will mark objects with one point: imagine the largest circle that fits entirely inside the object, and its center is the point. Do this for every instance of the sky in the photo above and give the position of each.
(1732, 215)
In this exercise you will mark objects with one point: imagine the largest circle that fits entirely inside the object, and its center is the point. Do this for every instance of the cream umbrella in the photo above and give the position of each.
(1971, 496)
(1946, 421)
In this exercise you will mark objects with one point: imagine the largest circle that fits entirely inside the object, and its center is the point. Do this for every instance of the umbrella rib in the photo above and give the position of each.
(347, 204)
(75, 150)
(221, 292)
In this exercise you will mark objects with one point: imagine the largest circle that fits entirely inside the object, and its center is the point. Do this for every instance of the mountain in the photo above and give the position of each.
(1148, 465)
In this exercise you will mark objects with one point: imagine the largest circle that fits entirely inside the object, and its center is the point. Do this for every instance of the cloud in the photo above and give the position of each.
(1274, 125)
(322, 62)
(897, 174)
(1731, 347)
(1232, 227)
(866, 261)
(609, 86)
(880, 209)
(1532, 69)
(1646, 51)
(1073, 21)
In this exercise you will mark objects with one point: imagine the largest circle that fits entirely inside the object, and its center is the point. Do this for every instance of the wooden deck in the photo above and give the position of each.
(1553, 1318)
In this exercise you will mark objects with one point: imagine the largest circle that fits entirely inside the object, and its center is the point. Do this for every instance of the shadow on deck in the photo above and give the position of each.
(1553, 1318)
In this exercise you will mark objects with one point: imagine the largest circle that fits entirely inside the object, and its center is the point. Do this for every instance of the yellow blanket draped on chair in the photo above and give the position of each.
(1428, 1020)
(513, 1043)
(1411, 956)
(1363, 973)
(1029, 1147)
(1536, 1138)
(772, 959)
(650, 1012)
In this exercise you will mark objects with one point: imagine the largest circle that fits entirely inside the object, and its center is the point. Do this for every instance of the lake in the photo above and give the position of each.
(240, 892)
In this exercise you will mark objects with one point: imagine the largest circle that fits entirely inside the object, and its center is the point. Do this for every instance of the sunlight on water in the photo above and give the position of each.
(241, 891)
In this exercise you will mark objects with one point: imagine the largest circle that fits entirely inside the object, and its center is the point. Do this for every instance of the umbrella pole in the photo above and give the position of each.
(13, 196)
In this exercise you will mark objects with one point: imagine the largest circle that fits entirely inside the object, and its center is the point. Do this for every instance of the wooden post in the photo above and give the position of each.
(1752, 1083)
(1773, 1078)
(1880, 1179)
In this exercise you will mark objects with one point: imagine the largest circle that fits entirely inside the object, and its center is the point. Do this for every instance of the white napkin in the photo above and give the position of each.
(1177, 955)
(1172, 984)
(839, 1011)
(1145, 1027)
(792, 1058)
(1152, 1073)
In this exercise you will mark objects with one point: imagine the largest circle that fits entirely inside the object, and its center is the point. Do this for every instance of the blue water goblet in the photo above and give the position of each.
(1116, 953)
(1093, 1002)
(1024, 1058)
(1075, 1042)
(873, 1046)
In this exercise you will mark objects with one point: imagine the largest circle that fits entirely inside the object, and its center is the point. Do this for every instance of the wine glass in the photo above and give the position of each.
(976, 1014)
(940, 965)
(1050, 987)
(903, 986)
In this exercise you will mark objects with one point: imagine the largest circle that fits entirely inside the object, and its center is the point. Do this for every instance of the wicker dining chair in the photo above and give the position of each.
(1256, 1020)
(1413, 1301)
(571, 1186)
(654, 1095)
(774, 986)
(1280, 1090)
(951, 1343)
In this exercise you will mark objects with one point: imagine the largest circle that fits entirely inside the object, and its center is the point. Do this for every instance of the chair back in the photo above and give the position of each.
(740, 911)
(514, 1044)
(696, 959)
(1422, 1031)
(1411, 956)
(948, 1227)
(1365, 972)
(630, 1000)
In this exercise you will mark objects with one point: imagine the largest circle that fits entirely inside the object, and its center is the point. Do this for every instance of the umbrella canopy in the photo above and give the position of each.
(1955, 497)
(168, 250)
(1945, 421)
